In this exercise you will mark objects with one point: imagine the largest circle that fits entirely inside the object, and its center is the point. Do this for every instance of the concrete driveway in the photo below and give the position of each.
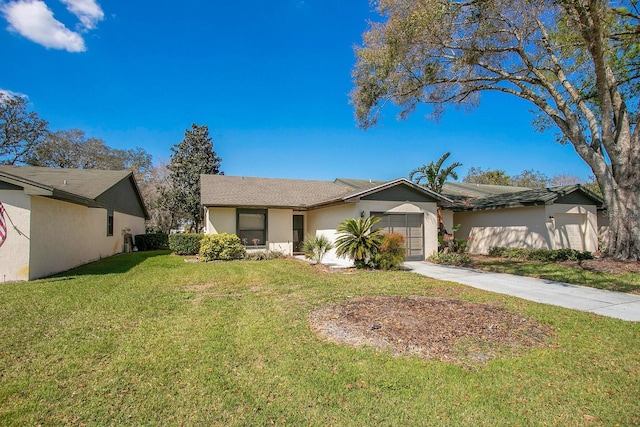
(606, 303)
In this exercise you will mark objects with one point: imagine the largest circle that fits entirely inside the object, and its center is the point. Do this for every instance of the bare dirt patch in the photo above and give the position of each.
(432, 328)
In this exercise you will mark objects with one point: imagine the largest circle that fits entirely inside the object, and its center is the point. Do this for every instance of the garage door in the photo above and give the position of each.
(411, 226)
(570, 231)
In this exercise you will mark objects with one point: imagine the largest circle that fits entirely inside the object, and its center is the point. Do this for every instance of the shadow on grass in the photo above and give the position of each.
(577, 275)
(120, 263)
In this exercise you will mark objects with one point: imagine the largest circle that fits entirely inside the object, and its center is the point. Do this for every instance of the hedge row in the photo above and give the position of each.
(548, 255)
(152, 242)
(185, 244)
(181, 244)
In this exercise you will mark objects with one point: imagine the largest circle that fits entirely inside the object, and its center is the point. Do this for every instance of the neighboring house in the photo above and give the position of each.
(550, 218)
(276, 214)
(58, 219)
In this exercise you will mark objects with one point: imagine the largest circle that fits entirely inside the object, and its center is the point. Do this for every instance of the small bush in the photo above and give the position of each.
(221, 247)
(392, 252)
(152, 242)
(185, 244)
(497, 251)
(263, 255)
(450, 258)
(316, 247)
(542, 255)
(516, 253)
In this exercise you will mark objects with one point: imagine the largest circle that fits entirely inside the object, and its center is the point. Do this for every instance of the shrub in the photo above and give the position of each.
(185, 244)
(543, 255)
(316, 247)
(515, 253)
(497, 251)
(359, 240)
(152, 242)
(450, 258)
(392, 252)
(263, 255)
(221, 247)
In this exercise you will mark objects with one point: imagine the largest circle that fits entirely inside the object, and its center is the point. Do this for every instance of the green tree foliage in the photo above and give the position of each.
(21, 131)
(316, 247)
(490, 177)
(576, 61)
(72, 149)
(191, 158)
(527, 178)
(359, 240)
(433, 176)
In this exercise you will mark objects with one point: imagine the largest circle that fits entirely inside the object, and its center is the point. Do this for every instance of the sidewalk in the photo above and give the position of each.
(606, 303)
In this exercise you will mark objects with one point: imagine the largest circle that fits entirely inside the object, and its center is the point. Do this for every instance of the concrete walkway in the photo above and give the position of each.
(606, 303)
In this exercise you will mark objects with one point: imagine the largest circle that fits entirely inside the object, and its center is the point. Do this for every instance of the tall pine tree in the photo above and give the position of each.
(191, 158)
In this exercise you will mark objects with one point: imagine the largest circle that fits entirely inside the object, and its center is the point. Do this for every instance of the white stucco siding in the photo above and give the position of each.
(65, 235)
(515, 227)
(325, 222)
(14, 253)
(280, 230)
(574, 227)
(220, 220)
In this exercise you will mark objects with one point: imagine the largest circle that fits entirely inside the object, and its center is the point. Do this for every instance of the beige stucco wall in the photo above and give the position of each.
(515, 227)
(589, 225)
(280, 230)
(220, 220)
(65, 235)
(279, 226)
(527, 227)
(14, 253)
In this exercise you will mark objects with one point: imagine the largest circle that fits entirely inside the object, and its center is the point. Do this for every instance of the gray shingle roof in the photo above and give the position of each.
(542, 196)
(87, 183)
(224, 190)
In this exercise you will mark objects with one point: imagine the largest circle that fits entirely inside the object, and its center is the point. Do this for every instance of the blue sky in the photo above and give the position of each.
(270, 79)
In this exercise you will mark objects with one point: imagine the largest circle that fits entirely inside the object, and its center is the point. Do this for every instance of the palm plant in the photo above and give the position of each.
(359, 240)
(435, 178)
(433, 174)
(316, 247)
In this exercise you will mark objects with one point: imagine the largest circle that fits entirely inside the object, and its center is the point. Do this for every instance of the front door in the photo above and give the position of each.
(298, 233)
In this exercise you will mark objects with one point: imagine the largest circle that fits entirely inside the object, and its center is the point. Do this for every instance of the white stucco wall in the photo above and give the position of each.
(65, 235)
(280, 230)
(589, 225)
(14, 253)
(527, 227)
(516, 227)
(220, 220)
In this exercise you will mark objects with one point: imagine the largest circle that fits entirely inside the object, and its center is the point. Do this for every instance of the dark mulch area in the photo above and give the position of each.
(432, 328)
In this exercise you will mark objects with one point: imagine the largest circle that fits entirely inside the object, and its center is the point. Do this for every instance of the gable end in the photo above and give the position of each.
(400, 193)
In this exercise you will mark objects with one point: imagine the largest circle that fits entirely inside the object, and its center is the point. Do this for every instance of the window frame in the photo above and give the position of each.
(110, 223)
(264, 230)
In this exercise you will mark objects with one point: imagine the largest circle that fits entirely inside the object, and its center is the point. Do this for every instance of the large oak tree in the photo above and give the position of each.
(577, 61)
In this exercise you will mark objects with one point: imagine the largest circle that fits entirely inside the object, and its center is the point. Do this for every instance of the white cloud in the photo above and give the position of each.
(10, 93)
(34, 20)
(88, 12)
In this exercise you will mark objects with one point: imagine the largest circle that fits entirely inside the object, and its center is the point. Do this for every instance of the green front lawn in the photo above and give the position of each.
(148, 339)
(577, 275)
